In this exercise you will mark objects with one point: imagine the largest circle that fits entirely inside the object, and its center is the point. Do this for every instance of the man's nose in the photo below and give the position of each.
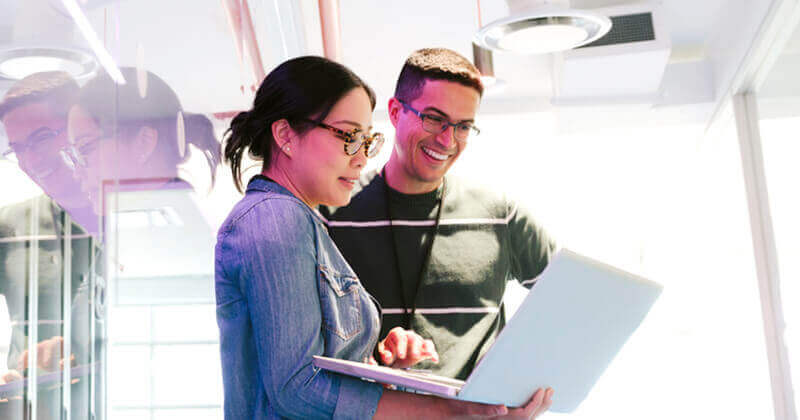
(445, 138)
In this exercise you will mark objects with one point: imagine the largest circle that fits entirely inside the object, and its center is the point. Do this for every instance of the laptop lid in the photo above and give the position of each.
(565, 333)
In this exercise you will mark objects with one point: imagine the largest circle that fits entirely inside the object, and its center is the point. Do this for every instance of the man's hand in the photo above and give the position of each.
(404, 348)
(48, 355)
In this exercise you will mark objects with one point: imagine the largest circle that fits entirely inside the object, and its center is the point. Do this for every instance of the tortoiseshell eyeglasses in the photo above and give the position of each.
(354, 139)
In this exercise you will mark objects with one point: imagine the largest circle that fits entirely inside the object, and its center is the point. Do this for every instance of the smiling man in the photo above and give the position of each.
(34, 115)
(435, 251)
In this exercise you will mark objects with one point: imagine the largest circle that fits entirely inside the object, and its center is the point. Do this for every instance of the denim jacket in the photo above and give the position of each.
(285, 293)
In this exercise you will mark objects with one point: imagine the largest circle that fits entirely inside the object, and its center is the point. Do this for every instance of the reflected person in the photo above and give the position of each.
(34, 116)
(136, 134)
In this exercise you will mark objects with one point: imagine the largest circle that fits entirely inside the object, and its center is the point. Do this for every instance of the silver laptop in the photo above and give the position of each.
(565, 333)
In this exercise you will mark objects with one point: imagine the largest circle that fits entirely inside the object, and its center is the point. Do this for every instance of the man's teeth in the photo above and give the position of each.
(431, 153)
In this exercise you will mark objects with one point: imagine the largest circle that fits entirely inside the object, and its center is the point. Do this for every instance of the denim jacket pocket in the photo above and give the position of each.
(339, 297)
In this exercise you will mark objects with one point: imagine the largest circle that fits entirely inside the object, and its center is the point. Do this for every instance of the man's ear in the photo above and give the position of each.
(146, 141)
(283, 135)
(395, 108)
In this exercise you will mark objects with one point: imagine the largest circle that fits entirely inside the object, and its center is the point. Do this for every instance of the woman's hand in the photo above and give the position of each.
(402, 405)
(405, 348)
(538, 404)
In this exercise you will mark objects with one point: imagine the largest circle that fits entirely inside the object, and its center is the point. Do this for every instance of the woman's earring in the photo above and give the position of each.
(286, 147)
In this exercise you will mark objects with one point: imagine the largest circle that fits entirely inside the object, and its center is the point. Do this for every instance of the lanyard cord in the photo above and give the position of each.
(426, 258)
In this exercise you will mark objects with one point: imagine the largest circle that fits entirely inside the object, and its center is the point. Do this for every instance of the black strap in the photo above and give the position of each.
(426, 258)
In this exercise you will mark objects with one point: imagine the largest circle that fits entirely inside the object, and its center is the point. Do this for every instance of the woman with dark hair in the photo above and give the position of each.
(136, 131)
(284, 292)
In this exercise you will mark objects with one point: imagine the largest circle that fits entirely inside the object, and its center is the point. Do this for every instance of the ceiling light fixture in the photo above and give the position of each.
(18, 63)
(542, 26)
(148, 218)
(483, 62)
(482, 58)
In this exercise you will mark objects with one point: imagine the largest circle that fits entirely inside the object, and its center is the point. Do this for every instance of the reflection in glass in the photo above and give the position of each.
(34, 115)
(130, 147)
(47, 253)
(118, 136)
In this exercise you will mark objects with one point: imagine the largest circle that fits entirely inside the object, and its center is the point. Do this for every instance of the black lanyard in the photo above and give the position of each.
(425, 261)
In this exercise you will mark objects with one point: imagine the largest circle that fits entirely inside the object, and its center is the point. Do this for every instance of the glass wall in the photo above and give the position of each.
(52, 273)
(108, 212)
(113, 190)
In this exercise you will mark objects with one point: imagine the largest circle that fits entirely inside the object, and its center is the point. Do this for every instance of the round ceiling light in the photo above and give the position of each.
(18, 63)
(543, 31)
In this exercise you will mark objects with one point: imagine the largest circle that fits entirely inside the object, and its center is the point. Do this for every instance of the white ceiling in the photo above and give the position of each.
(376, 37)
(190, 44)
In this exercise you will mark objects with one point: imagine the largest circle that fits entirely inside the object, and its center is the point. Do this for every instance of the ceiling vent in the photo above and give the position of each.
(624, 66)
(637, 27)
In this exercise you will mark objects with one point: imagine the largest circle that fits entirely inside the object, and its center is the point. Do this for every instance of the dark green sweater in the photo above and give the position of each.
(483, 241)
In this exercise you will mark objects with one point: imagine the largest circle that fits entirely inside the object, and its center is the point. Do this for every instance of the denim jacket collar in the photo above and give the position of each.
(262, 183)
(267, 185)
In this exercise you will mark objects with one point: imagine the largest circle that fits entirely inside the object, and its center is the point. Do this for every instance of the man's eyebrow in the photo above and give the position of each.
(444, 114)
(353, 123)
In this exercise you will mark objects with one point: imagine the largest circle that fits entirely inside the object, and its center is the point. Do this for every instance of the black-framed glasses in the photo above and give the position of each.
(40, 141)
(354, 139)
(436, 124)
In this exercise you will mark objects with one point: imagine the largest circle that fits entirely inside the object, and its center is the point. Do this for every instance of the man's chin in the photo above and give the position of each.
(431, 177)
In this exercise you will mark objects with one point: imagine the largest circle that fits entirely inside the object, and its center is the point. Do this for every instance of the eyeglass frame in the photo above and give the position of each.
(349, 137)
(29, 144)
(445, 122)
(75, 155)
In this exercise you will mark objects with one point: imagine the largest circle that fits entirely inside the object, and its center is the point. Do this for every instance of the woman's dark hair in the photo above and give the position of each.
(296, 90)
(147, 100)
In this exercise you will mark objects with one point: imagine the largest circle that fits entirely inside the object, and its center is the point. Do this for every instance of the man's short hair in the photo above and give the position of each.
(435, 64)
(57, 88)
